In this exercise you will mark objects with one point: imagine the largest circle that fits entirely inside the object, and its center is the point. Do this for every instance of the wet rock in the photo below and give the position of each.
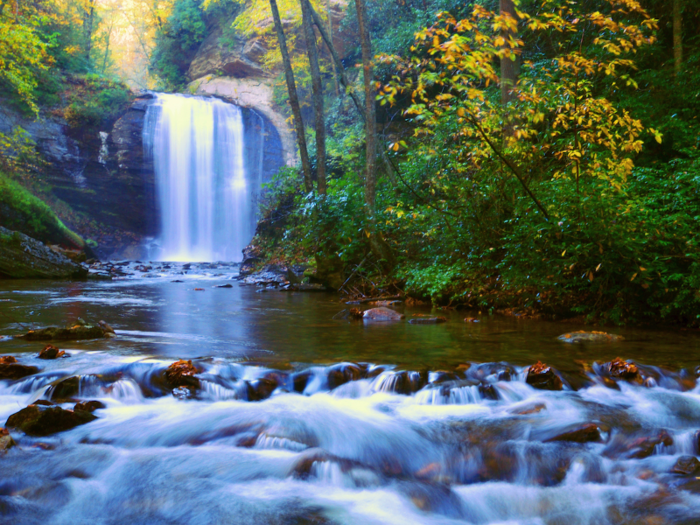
(65, 389)
(10, 369)
(488, 392)
(428, 320)
(382, 314)
(490, 372)
(686, 465)
(638, 447)
(36, 420)
(403, 382)
(543, 377)
(260, 389)
(227, 285)
(356, 313)
(589, 337)
(582, 434)
(51, 352)
(6, 441)
(44, 402)
(529, 409)
(621, 369)
(182, 373)
(22, 257)
(471, 320)
(74, 333)
(300, 380)
(108, 329)
(89, 406)
(342, 373)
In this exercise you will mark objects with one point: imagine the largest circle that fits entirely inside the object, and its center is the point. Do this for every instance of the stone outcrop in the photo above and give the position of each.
(40, 420)
(22, 257)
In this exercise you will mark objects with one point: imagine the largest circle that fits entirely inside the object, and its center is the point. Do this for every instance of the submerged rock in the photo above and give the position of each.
(543, 377)
(428, 320)
(182, 393)
(589, 337)
(581, 434)
(22, 257)
(686, 465)
(382, 314)
(36, 420)
(73, 333)
(51, 352)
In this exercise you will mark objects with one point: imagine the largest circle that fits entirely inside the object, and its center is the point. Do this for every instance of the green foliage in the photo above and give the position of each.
(21, 211)
(95, 100)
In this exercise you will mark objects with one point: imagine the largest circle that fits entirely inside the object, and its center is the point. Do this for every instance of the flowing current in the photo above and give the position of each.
(205, 193)
(298, 418)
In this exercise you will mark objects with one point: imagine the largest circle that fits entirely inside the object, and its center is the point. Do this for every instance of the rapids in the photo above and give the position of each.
(300, 419)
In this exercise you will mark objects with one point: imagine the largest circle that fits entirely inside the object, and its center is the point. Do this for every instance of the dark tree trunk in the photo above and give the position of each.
(509, 67)
(370, 112)
(677, 36)
(293, 98)
(87, 29)
(312, 52)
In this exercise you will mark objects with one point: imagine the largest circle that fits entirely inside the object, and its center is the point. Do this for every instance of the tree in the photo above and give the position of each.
(509, 65)
(312, 53)
(293, 97)
(370, 112)
(677, 36)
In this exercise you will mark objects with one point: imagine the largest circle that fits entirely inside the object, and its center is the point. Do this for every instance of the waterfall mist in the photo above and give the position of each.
(205, 194)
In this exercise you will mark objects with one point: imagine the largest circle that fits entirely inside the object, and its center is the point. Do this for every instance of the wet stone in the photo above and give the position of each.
(74, 333)
(686, 465)
(13, 370)
(428, 320)
(382, 314)
(260, 389)
(51, 352)
(343, 373)
(621, 369)
(582, 434)
(589, 337)
(542, 377)
(89, 406)
(6, 441)
(36, 420)
(182, 393)
(182, 373)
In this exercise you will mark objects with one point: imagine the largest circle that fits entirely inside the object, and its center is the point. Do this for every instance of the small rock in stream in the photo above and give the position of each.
(621, 369)
(686, 465)
(51, 352)
(11, 369)
(89, 406)
(182, 393)
(543, 377)
(428, 320)
(72, 333)
(382, 314)
(182, 373)
(589, 337)
(581, 434)
(227, 285)
(6, 441)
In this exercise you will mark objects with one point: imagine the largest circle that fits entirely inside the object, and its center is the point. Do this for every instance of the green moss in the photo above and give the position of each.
(22, 211)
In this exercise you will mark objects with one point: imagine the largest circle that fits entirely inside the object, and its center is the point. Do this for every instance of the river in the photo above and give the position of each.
(347, 436)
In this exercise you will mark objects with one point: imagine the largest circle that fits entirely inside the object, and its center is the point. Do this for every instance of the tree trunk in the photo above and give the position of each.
(293, 98)
(330, 34)
(509, 67)
(87, 28)
(677, 36)
(312, 52)
(370, 113)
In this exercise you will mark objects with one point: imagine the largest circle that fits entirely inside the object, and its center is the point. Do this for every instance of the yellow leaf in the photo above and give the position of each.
(590, 276)
(632, 279)
(563, 253)
(460, 112)
(642, 269)
(598, 267)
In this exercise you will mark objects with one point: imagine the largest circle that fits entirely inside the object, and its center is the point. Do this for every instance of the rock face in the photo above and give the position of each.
(22, 257)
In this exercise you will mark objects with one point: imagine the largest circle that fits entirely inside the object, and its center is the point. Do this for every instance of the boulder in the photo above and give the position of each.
(182, 373)
(36, 420)
(51, 352)
(22, 257)
(382, 314)
(11, 369)
(589, 337)
(343, 373)
(543, 377)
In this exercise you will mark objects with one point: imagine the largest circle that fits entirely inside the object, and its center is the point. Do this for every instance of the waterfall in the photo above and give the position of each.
(204, 193)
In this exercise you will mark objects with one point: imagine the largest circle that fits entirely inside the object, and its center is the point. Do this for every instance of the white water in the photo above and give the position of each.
(204, 192)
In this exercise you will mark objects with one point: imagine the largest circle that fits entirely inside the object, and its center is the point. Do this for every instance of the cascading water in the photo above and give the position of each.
(204, 192)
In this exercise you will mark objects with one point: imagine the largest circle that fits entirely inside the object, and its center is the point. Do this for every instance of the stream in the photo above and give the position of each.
(302, 417)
